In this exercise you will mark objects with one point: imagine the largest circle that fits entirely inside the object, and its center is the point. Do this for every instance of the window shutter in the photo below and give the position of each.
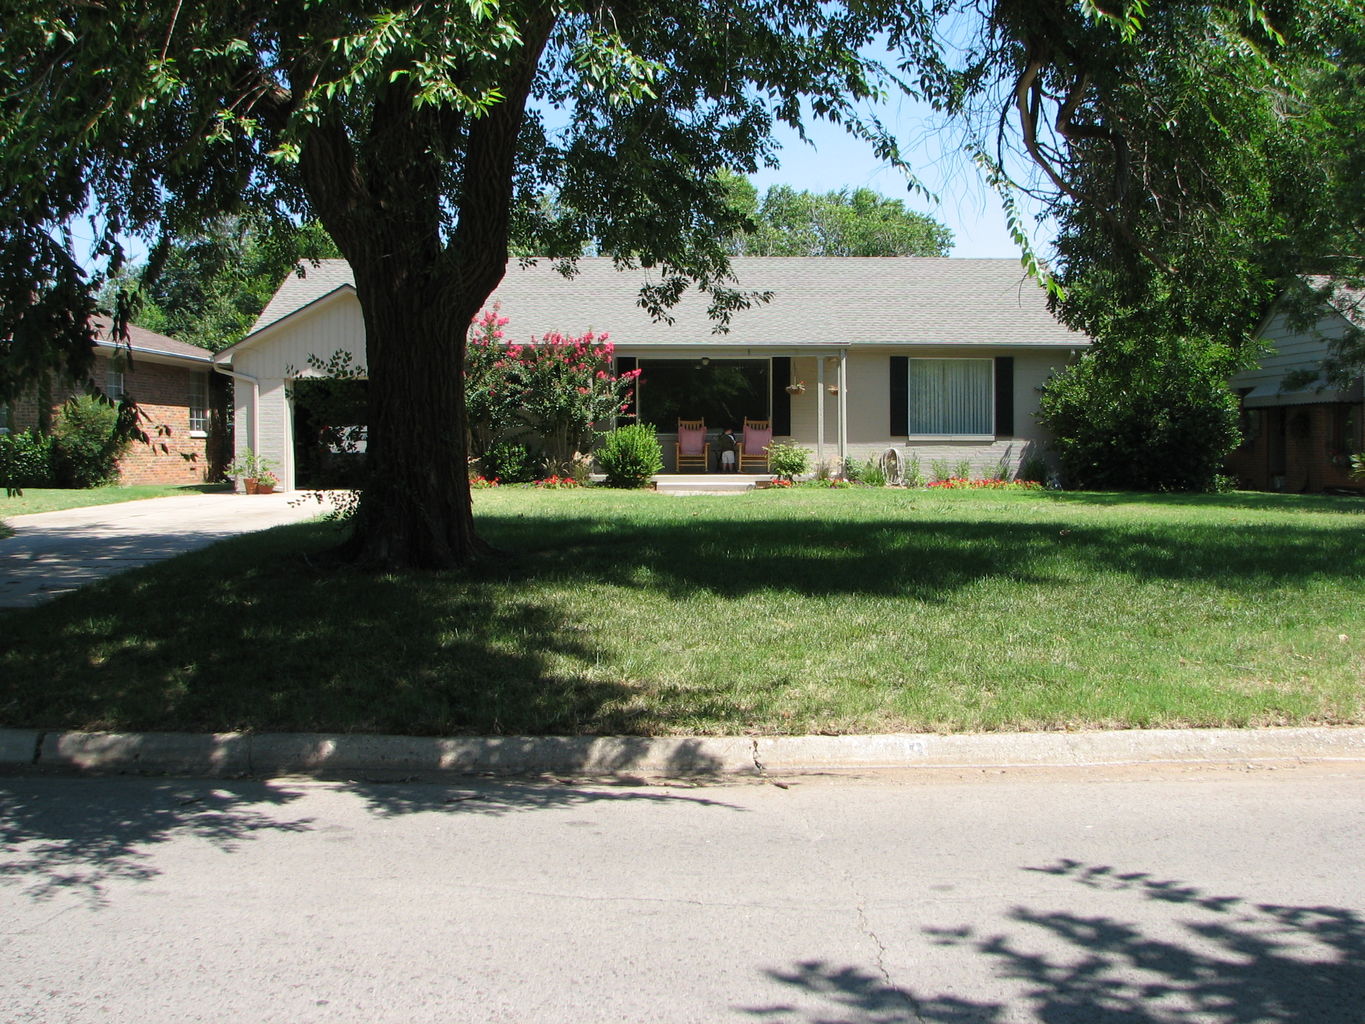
(782, 401)
(1004, 396)
(900, 396)
(624, 364)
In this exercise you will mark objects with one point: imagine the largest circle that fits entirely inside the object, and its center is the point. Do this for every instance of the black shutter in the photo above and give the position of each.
(900, 396)
(1004, 396)
(624, 364)
(782, 399)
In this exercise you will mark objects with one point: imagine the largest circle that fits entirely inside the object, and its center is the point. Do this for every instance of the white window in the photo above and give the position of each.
(952, 397)
(113, 384)
(199, 405)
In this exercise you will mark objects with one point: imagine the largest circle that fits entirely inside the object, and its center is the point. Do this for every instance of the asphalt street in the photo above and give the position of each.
(1139, 895)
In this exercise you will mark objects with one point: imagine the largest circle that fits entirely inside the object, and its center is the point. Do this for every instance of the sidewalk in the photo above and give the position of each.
(232, 754)
(53, 553)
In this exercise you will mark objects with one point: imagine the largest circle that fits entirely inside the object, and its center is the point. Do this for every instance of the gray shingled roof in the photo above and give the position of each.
(143, 340)
(1346, 299)
(816, 301)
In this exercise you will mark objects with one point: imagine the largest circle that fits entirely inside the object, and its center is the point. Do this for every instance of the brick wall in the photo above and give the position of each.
(162, 393)
(1299, 448)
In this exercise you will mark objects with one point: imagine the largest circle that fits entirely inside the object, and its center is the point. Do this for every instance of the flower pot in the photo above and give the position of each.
(254, 486)
(795, 389)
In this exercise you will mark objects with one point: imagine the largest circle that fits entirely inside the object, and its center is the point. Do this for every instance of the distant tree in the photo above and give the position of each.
(209, 290)
(846, 222)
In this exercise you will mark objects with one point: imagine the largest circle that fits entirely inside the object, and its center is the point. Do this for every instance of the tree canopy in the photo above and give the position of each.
(847, 222)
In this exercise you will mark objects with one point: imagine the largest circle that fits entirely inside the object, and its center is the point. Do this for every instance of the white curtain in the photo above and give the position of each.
(952, 396)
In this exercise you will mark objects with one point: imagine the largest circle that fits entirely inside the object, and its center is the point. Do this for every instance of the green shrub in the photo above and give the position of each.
(788, 461)
(630, 455)
(914, 475)
(1158, 417)
(1034, 467)
(509, 462)
(25, 460)
(871, 473)
(87, 443)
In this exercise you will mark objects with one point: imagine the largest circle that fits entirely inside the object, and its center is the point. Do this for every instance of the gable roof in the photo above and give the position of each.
(308, 283)
(815, 301)
(141, 340)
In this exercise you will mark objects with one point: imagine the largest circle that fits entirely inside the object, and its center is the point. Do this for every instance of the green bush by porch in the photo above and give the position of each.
(778, 611)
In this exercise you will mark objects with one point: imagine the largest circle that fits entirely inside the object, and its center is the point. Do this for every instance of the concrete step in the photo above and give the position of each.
(706, 483)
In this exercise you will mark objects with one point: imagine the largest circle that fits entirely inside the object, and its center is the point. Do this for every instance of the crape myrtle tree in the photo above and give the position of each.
(421, 136)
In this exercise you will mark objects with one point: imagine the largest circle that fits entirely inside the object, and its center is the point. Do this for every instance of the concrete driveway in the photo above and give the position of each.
(53, 553)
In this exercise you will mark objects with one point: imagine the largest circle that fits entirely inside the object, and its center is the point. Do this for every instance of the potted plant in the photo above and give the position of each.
(796, 387)
(256, 472)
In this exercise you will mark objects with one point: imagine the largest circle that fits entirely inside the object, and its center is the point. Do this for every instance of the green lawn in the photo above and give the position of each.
(52, 499)
(777, 611)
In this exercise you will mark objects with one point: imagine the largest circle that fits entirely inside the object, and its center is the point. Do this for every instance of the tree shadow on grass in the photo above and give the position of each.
(57, 837)
(1237, 962)
(252, 634)
(257, 633)
(1260, 501)
(926, 561)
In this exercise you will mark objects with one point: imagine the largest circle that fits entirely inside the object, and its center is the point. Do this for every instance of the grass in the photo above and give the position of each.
(53, 499)
(778, 611)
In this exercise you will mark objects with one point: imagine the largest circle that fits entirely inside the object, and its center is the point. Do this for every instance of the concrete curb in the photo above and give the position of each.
(229, 754)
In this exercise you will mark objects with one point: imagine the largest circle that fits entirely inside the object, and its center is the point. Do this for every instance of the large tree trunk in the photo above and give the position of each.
(415, 509)
(379, 194)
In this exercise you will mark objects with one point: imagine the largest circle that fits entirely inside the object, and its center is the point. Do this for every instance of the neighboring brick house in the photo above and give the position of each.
(183, 405)
(1300, 436)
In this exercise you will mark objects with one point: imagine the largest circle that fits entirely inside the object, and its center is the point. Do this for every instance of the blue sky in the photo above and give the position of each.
(833, 159)
(838, 160)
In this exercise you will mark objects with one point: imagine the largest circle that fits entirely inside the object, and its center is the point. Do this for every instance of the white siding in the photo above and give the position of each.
(1289, 350)
(281, 353)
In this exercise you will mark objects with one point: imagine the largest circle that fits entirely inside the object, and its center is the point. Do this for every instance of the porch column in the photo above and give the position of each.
(843, 406)
(820, 411)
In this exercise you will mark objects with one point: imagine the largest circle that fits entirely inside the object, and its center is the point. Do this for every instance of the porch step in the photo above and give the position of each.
(707, 483)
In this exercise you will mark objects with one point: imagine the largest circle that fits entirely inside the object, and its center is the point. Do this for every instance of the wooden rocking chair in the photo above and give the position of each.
(692, 450)
(758, 434)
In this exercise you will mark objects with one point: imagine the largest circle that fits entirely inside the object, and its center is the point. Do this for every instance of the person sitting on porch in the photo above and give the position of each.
(727, 445)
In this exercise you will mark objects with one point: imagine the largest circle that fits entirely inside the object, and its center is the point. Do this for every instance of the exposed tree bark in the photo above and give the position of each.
(379, 198)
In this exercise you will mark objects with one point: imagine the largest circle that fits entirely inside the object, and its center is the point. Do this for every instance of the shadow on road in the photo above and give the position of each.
(59, 837)
(56, 837)
(497, 797)
(1236, 962)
